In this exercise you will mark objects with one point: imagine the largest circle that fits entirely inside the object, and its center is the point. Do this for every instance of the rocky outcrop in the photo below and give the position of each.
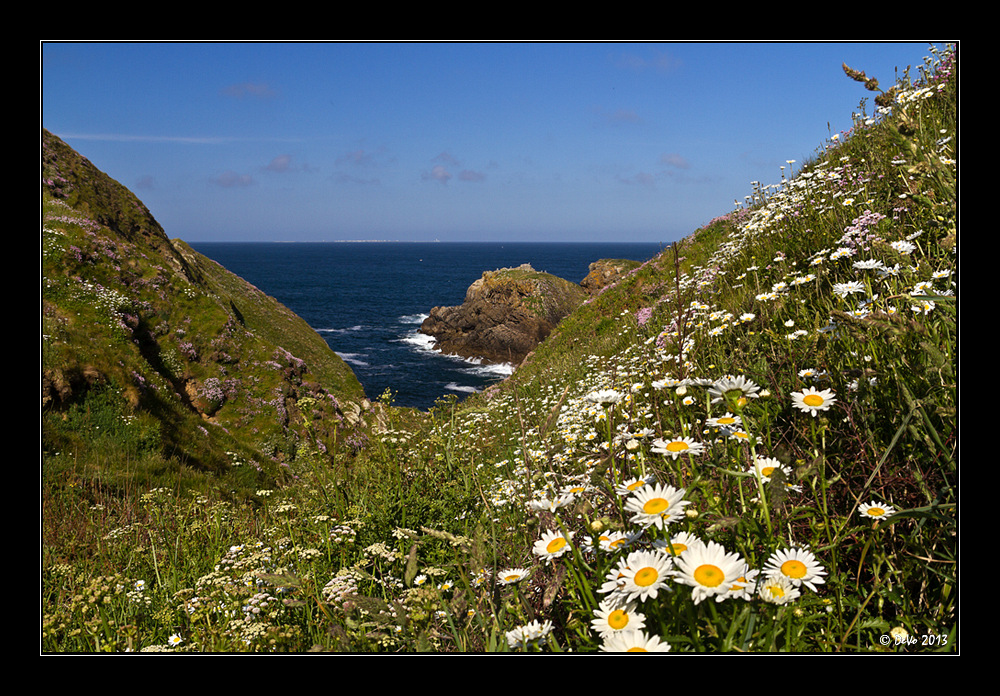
(505, 315)
(606, 272)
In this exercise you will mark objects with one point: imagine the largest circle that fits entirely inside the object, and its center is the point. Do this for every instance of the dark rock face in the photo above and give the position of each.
(505, 315)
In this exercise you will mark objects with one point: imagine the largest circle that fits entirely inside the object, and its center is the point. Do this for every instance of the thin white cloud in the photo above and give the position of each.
(231, 179)
(660, 62)
(469, 175)
(672, 159)
(122, 138)
(196, 140)
(280, 164)
(249, 89)
(437, 173)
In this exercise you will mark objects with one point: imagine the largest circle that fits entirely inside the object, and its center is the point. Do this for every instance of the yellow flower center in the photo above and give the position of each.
(644, 577)
(511, 578)
(793, 568)
(637, 484)
(678, 549)
(738, 585)
(767, 471)
(618, 619)
(654, 506)
(813, 400)
(876, 511)
(677, 446)
(709, 575)
(556, 544)
(727, 420)
(776, 590)
(637, 649)
(616, 543)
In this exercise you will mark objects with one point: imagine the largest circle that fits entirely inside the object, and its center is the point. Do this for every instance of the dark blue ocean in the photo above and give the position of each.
(368, 299)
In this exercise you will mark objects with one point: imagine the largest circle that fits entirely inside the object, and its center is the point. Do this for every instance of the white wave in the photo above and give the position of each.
(490, 370)
(454, 386)
(413, 318)
(347, 330)
(420, 341)
(353, 358)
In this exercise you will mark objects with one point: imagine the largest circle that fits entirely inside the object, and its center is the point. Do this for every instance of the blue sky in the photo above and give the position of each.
(588, 141)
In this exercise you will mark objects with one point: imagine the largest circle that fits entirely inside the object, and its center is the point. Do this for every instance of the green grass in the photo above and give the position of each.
(839, 280)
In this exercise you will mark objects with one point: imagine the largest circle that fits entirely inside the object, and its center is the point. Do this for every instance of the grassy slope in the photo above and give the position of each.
(409, 549)
(160, 368)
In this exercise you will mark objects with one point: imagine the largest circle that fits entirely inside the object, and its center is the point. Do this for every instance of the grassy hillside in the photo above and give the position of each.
(160, 369)
(748, 444)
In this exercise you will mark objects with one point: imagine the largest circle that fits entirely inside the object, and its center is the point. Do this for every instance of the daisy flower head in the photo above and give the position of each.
(678, 543)
(876, 511)
(604, 397)
(634, 641)
(657, 505)
(523, 636)
(175, 640)
(765, 467)
(811, 400)
(726, 421)
(845, 289)
(510, 576)
(904, 247)
(551, 504)
(614, 582)
(709, 570)
(735, 390)
(630, 486)
(744, 586)
(552, 545)
(798, 565)
(645, 574)
(611, 617)
(676, 447)
(615, 541)
(777, 589)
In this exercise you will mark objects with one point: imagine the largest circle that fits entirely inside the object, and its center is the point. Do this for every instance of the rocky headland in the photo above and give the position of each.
(506, 314)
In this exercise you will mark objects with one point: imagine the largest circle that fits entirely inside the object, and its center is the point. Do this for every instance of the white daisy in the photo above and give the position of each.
(777, 589)
(676, 447)
(845, 289)
(613, 618)
(811, 400)
(726, 421)
(629, 486)
(678, 543)
(509, 576)
(657, 505)
(709, 570)
(522, 636)
(743, 587)
(737, 389)
(604, 397)
(552, 545)
(876, 511)
(797, 564)
(766, 466)
(645, 574)
(634, 641)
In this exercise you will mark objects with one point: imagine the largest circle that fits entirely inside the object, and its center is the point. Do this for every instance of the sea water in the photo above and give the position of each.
(368, 299)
